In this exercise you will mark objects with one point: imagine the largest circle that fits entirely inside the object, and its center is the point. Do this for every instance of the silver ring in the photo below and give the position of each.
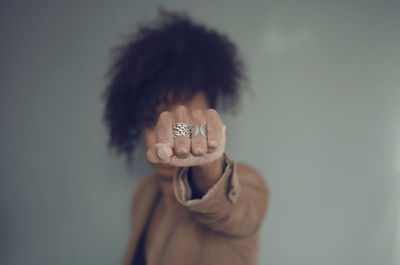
(203, 130)
(194, 131)
(181, 128)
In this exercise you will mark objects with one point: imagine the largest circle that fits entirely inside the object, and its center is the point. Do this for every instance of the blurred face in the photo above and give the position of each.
(199, 101)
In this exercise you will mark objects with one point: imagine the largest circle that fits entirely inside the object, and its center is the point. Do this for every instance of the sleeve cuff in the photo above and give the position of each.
(225, 190)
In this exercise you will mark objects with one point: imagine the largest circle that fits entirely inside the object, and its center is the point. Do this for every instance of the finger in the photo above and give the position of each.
(181, 142)
(163, 131)
(214, 130)
(198, 142)
(159, 153)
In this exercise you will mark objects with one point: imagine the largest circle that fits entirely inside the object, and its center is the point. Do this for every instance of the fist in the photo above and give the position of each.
(186, 145)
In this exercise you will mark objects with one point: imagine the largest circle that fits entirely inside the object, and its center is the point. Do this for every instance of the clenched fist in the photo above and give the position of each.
(180, 140)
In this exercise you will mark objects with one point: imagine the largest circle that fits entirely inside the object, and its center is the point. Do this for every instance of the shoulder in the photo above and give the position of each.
(144, 183)
(146, 186)
(250, 176)
(245, 172)
(243, 168)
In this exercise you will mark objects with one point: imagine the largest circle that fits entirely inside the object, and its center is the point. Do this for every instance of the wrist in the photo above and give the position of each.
(205, 176)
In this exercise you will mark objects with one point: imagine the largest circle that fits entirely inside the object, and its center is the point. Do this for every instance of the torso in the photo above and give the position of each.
(156, 221)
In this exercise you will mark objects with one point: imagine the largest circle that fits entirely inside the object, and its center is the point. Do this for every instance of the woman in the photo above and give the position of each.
(200, 206)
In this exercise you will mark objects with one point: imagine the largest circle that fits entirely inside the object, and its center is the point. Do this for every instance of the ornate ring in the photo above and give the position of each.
(203, 130)
(183, 129)
(194, 131)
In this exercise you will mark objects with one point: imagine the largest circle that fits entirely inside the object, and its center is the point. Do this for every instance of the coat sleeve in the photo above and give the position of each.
(235, 205)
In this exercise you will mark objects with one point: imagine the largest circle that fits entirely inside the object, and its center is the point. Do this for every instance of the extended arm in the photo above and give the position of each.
(235, 205)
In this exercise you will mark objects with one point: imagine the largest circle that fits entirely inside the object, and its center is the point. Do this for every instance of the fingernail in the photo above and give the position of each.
(168, 152)
(161, 154)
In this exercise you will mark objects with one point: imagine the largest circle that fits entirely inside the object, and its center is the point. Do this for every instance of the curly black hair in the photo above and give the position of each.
(164, 62)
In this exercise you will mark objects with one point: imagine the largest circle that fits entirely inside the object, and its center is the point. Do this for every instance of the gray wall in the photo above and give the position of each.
(325, 108)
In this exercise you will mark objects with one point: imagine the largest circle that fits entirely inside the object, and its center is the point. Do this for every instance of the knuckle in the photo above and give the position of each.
(165, 115)
(181, 150)
(197, 113)
(212, 112)
(213, 141)
(182, 145)
(213, 137)
(198, 151)
(197, 141)
(181, 109)
(199, 147)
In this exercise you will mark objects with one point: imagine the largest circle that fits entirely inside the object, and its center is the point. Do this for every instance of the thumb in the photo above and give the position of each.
(159, 153)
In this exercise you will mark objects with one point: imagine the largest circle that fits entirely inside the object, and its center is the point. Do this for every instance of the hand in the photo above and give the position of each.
(182, 151)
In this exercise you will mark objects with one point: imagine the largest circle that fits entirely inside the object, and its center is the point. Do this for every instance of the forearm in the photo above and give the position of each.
(205, 176)
(233, 205)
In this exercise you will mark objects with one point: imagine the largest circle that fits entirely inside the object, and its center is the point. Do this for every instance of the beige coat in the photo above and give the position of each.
(222, 227)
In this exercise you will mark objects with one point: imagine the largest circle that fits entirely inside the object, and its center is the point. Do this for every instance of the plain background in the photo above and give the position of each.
(322, 125)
